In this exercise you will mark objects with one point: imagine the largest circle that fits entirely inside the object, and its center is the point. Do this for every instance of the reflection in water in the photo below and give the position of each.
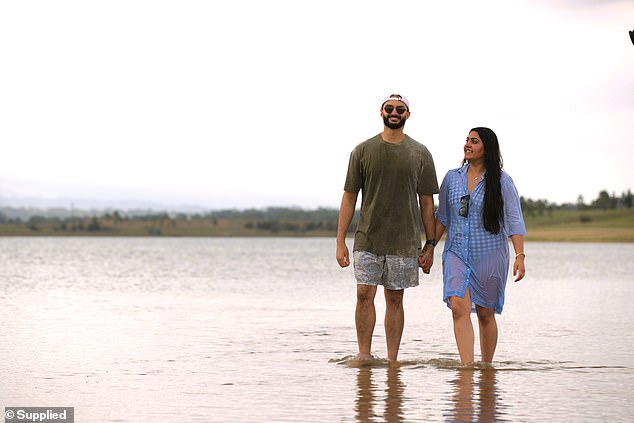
(365, 395)
(467, 392)
(488, 396)
(394, 397)
(463, 396)
(368, 391)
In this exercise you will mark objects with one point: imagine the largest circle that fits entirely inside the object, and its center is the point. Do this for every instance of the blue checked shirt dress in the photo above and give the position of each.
(473, 257)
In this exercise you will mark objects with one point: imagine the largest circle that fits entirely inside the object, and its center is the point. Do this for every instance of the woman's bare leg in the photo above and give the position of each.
(462, 326)
(488, 332)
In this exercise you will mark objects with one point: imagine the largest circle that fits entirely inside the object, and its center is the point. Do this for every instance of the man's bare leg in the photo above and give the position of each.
(365, 318)
(394, 321)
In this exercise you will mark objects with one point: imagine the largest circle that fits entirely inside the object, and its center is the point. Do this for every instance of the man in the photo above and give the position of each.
(397, 178)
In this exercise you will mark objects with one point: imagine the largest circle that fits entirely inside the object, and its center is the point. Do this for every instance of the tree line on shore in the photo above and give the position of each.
(272, 219)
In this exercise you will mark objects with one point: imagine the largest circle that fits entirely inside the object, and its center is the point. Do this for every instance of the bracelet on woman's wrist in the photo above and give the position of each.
(520, 254)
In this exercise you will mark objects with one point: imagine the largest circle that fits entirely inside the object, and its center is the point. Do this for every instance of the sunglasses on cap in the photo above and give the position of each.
(399, 109)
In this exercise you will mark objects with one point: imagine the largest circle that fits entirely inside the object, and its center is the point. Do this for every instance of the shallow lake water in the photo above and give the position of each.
(262, 329)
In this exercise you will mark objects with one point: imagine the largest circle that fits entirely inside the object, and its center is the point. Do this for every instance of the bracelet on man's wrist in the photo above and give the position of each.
(520, 254)
(431, 242)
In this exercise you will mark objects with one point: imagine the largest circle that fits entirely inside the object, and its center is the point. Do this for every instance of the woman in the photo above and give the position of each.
(479, 206)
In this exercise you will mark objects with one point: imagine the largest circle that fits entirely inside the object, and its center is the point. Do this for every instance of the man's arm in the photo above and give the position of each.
(429, 224)
(346, 213)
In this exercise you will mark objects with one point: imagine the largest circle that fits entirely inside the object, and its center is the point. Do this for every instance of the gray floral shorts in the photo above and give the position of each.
(393, 272)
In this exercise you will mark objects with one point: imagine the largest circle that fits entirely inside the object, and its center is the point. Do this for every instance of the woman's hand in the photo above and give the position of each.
(426, 260)
(518, 267)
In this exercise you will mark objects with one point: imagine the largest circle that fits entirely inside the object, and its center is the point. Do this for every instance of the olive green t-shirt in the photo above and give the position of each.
(390, 178)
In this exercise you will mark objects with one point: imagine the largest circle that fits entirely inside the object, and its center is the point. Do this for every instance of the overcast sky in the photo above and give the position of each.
(256, 103)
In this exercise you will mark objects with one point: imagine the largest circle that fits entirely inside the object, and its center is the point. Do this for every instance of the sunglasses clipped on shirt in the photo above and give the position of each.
(399, 109)
(464, 210)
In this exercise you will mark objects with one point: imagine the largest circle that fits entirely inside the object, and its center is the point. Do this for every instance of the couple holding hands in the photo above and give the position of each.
(479, 209)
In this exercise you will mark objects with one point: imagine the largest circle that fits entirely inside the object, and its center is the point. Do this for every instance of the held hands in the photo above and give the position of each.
(426, 259)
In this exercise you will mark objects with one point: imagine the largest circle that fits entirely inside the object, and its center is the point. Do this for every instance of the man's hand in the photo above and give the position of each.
(343, 256)
(426, 260)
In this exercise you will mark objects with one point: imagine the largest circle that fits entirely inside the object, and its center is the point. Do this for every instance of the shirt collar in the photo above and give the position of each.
(465, 167)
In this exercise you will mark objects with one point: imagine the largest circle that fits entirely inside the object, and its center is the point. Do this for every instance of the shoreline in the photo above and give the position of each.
(556, 226)
(600, 235)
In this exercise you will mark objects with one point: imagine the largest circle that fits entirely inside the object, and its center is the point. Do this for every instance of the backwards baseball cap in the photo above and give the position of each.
(397, 97)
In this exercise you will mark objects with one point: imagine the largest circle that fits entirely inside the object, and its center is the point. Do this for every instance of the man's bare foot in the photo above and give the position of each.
(364, 360)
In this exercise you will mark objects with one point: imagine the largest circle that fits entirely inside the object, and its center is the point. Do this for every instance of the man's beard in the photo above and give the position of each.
(397, 125)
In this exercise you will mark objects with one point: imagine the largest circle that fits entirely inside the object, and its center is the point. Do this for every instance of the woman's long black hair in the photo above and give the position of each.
(493, 212)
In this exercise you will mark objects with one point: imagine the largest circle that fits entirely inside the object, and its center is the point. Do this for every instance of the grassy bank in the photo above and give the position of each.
(198, 227)
(557, 225)
(582, 226)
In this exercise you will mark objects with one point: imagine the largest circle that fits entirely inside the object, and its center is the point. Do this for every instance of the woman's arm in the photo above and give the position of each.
(519, 269)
